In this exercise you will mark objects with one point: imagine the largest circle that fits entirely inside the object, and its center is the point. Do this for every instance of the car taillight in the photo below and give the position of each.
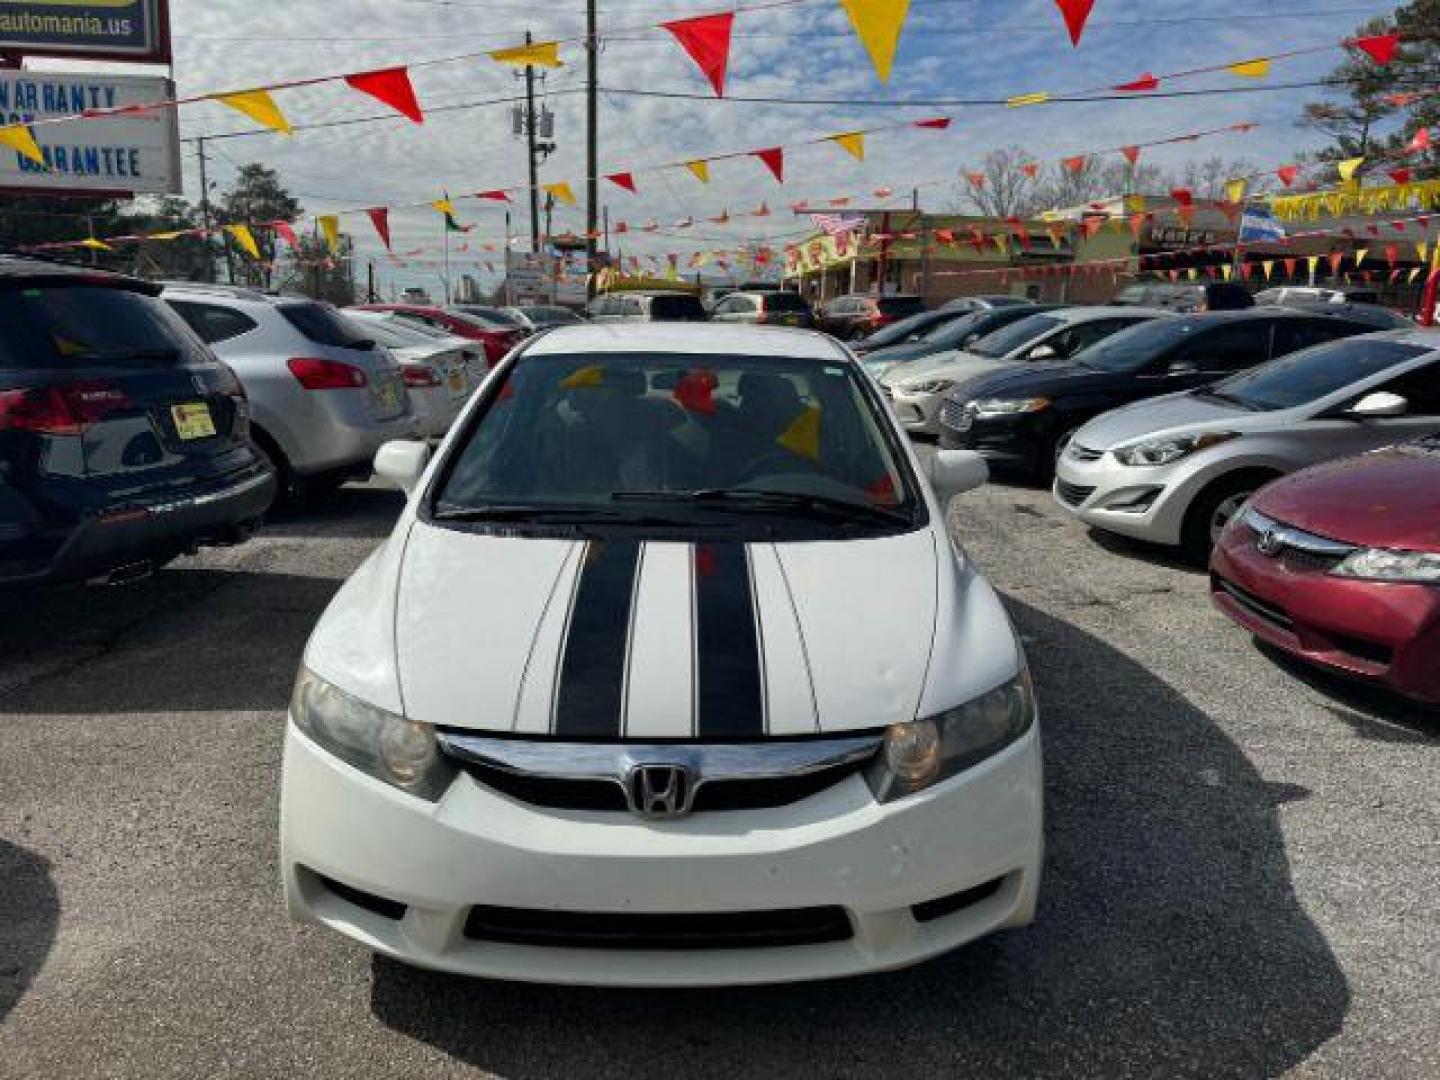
(68, 409)
(418, 375)
(316, 374)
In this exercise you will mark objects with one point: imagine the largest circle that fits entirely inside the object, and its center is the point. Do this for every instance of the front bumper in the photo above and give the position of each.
(1143, 503)
(918, 414)
(153, 529)
(1387, 633)
(979, 831)
(1020, 442)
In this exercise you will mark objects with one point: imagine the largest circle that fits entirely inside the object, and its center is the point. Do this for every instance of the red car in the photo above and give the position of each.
(497, 340)
(1340, 565)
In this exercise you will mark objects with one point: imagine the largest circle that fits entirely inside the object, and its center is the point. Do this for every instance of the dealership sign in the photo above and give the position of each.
(131, 153)
(106, 29)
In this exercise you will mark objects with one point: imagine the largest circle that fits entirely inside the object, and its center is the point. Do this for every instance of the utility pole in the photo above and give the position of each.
(205, 211)
(592, 155)
(534, 163)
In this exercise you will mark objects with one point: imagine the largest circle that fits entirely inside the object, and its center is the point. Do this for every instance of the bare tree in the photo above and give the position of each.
(1062, 186)
(1207, 179)
(1000, 187)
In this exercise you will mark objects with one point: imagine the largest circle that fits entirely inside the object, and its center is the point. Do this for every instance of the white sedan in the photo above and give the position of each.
(670, 674)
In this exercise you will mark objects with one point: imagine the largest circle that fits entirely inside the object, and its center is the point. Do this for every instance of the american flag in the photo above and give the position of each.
(837, 224)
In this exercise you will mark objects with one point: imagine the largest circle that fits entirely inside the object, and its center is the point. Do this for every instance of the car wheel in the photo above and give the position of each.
(1212, 510)
(287, 484)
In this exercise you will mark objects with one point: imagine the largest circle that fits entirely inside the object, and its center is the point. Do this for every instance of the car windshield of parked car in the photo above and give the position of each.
(498, 316)
(57, 327)
(899, 307)
(951, 332)
(901, 331)
(1133, 348)
(631, 436)
(1303, 377)
(549, 316)
(1015, 336)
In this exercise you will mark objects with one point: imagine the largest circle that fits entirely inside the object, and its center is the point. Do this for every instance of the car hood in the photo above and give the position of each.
(1389, 498)
(952, 365)
(1155, 415)
(623, 638)
(901, 354)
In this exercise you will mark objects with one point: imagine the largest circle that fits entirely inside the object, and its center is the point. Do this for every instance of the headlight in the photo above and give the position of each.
(929, 386)
(1377, 564)
(401, 752)
(1164, 451)
(1009, 407)
(922, 753)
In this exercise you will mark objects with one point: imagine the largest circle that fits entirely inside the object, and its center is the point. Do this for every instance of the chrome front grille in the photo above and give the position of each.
(1296, 548)
(658, 780)
(956, 414)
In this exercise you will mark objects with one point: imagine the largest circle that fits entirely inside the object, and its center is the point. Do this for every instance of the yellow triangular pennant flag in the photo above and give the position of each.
(853, 143)
(1268, 267)
(444, 206)
(1021, 100)
(1251, 69)
(701, 169)
(877, 24)
(1413, 275)
(259, 106)
(1360, 254)
(1227, 271)
(1193, 273)
(166, 235)
(19, 138)
(583, 378)
(803, 436)
(330, 227)
(95, 245)
(1313, 263)
(1422, 249)
(1235, 190)
(245, 238)
(536, 54)
(560, 192)
(1347, 168)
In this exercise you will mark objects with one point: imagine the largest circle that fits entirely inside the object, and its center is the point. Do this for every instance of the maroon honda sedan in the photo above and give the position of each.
(1340, 565)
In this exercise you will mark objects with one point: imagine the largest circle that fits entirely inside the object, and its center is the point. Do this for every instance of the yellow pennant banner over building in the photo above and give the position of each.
(536, 54)
(260, 107)
(878, 24)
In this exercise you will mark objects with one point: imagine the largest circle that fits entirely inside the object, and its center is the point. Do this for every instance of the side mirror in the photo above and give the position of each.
(1182, 367)
(402, 463)
(1043, 352)
(954, 472)
(1378, 405)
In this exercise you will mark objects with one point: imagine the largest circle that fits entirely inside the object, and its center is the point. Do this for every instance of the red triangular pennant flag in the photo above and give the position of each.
(1287, 174)
(391, 86)
(493, 196)
(1400, 176)
(774, 159)
(1074, 164)
(623, 179)
(1075, 13)
(1143, 83)
(1183, 196)
(287, 233)
(1335, 258)
(977, 179)
(1391, 254)
(1030, 169)
(1290, 265)
(1132, 153)
(1380, 48)
(707, 41)
(380, 218)
(938, 123)
(1420, 142)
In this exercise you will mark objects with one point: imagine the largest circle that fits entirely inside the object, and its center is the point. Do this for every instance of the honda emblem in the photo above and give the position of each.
(660, 791)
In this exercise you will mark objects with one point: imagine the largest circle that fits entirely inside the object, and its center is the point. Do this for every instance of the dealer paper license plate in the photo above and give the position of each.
(192, 420)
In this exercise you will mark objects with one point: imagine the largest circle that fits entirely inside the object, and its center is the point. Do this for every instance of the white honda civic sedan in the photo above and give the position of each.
(670, 674)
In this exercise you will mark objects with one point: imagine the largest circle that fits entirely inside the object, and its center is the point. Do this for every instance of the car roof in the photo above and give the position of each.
(719, 339)
(1103, 311)
(225, 292)
(14, 268)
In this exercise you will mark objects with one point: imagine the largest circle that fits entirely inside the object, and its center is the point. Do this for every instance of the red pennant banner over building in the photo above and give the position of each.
(1144, 83)
(938, 123)
(1132, 153)
(1075, 13)
(707, 41)
(1287, 174)
(1380, 48)
(774, 159)
(380, 218)
(391, 86)
(493, 196)
(623, 180)
(287, 233)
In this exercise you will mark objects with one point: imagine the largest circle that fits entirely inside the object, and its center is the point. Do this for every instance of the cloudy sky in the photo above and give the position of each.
(950, 49)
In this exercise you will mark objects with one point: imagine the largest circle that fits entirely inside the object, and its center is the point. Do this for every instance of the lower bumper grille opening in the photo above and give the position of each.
(1252, 603)
(931, 910)
(1370, 651)
(1073, 494)
(626, 930)
(378, 905)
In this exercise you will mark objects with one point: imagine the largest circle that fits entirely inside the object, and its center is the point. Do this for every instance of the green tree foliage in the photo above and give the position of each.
(256, 195)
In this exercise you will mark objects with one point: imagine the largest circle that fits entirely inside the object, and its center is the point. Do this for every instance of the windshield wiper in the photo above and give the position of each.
(522, 512)
(757, 498)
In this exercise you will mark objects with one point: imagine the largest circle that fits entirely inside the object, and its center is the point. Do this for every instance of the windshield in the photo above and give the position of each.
(1133, 348)
(633, 436)
(1015, 336)
(1316, 373)
(497, 316)
(952, 331)
(900, 331)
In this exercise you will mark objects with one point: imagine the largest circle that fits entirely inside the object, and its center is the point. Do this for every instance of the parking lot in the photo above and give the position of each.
(1243, 868)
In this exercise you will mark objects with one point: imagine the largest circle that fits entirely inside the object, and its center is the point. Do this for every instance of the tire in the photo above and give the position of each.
(1212, 510)
(287, 484)
(1045, 467)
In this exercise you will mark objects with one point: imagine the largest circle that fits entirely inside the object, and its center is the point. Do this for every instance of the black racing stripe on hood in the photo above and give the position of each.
(729, 694)
(590, 697)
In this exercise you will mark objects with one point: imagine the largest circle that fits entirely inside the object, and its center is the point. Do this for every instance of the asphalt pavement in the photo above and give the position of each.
(1242, 878)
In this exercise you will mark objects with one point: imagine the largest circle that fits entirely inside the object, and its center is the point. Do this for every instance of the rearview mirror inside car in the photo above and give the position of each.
(402, 463)
(1181, 367)
(1378, 405)
(954, 472)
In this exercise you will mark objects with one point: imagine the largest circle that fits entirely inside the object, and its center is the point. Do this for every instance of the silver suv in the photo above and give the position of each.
(323, 397)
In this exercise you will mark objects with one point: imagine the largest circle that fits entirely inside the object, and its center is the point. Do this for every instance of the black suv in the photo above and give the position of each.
(1021, 416)
(123, 441)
